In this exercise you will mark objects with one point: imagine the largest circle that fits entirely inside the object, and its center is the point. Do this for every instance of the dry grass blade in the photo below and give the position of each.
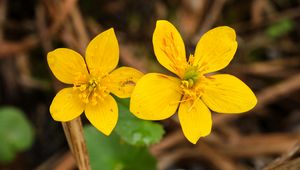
(286, 161)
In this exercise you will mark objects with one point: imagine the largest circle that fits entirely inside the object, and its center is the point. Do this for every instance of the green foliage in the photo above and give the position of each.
(280, 28)
(136, 131)
(111, 153)
(16, 133)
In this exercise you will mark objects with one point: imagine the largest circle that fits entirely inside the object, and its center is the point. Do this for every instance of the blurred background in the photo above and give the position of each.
(268, 60)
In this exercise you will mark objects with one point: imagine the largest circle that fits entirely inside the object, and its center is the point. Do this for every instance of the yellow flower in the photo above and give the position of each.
(93, 80)
(157, 96)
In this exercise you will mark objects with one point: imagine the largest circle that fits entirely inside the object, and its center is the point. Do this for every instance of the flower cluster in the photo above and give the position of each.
(154, 96)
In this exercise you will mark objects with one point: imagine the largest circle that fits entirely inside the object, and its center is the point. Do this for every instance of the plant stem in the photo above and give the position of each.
(74, 134)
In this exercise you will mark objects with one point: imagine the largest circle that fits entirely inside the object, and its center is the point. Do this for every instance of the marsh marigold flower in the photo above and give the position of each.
(92, 82)
(157, 96)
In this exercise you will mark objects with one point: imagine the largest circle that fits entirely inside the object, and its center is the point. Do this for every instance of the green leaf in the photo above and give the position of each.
(7, 154)
(111, 153)
(136, 131)
(280, 28)
(16, 133)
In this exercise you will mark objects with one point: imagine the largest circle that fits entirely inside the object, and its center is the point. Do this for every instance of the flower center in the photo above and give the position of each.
(192, 84)
(93, 90)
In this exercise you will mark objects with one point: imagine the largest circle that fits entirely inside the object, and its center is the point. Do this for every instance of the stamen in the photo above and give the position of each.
(181, 101)
(194, 103)
(191, 91)
(93, 90)
(191, 59)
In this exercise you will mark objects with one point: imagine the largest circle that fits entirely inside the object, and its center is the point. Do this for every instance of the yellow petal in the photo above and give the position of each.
(227, 94)
(155, 97)
(66, 65)
(102, 53)
(103, 115)
(66, 105)
(169, 47)
(123, 80)
(216, 49)
(195, 120)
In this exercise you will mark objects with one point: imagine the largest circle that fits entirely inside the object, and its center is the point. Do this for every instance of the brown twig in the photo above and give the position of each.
(3, 7)
(272, 93)
(190, 16)
(202, 150)
(11, 48)
(217, 158)
(255, 145)
(168, 142)
(284, 161)
(59, 161)
(74, 134)
(80, 29)
(63, 9)
(267, 68)
(170, 158)
(128, 57)
(288, 165)
(259, 9)
(210, 19)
